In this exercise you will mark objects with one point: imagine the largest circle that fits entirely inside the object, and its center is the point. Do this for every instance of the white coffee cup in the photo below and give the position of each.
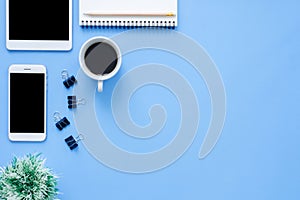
(100, 58)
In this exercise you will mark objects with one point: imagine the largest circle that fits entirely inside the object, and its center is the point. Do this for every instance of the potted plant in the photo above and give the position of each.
(27, 178)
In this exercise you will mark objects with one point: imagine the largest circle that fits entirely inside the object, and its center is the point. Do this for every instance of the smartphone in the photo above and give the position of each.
(27, 103)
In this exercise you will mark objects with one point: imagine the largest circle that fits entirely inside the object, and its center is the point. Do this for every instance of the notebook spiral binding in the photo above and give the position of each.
(160, 24)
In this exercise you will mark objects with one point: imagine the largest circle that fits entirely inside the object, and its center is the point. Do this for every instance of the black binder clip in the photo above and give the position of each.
(61, 123)
(68, 81)
(73, 102)
(73, 142)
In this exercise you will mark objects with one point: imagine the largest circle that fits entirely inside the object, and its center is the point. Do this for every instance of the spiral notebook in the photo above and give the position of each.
(153, 13)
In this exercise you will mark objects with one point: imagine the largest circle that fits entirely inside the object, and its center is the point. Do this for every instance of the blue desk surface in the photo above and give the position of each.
(256, 47)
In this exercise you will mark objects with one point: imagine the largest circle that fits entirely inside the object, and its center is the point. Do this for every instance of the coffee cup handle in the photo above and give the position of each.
(100, 86)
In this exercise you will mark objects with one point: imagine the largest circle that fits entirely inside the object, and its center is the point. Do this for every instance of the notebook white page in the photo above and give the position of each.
(112, 13)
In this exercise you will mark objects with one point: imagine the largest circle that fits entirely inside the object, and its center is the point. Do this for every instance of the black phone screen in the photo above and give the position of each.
(27, 103)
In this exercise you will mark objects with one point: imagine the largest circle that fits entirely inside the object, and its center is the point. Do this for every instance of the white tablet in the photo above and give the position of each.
(39, 25)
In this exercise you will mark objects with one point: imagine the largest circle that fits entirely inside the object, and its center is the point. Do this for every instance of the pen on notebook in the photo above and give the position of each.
(170, 14)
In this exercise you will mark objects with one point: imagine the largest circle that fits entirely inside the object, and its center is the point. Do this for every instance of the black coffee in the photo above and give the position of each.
(101, 58)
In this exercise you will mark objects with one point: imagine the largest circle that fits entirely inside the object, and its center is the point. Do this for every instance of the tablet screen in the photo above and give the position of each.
(39, 20)
(39, 25)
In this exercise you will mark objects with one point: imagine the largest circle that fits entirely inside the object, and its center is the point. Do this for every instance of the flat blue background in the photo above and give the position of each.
(256, 47)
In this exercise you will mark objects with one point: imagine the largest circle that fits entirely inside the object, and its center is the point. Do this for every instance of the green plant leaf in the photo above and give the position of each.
(27, 179)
